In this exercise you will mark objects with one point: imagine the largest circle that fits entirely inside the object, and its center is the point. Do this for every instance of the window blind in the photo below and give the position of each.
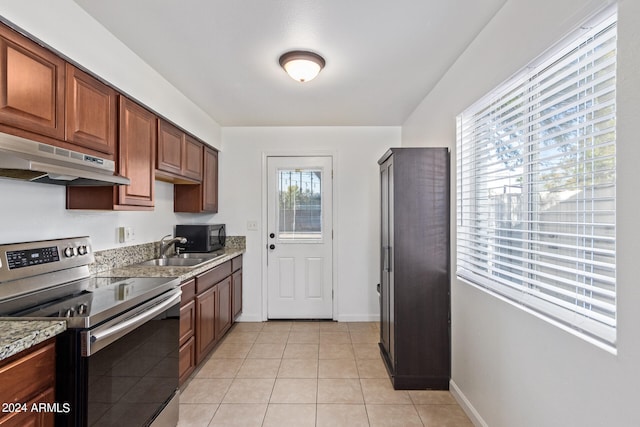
(536, 187)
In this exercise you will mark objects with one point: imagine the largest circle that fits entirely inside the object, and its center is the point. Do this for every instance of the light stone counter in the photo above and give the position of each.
(183, 273)
(19, 335)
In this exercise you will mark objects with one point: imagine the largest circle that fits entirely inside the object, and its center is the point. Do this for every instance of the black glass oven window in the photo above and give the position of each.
(131, 380)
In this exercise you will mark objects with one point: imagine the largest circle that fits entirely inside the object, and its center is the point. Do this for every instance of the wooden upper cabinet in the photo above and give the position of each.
(193, 152)
(135, 160)
(170, 141)
(210, 182)
(137, 150)
(202, 198)
(91, 112)
(179, 156)
(31, 87)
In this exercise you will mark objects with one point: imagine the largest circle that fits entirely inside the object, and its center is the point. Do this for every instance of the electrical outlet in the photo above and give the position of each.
(126, 234)
(252, 225)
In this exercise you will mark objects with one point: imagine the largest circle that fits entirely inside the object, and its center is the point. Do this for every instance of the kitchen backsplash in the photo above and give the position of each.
(127, 255)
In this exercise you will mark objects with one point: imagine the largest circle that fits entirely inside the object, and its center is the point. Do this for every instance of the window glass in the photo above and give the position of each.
(536, 171)
(299, 205)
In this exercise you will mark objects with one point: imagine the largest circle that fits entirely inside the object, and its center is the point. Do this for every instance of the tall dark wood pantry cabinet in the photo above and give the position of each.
(414, 264)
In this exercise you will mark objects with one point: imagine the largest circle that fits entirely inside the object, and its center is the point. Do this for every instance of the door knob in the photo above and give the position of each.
(272, 246)
(272, 235)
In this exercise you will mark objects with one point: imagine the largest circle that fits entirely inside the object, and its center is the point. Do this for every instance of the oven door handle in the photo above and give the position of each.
(98, 339)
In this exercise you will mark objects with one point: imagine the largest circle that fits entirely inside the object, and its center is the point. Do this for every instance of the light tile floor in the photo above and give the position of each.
(307, 374)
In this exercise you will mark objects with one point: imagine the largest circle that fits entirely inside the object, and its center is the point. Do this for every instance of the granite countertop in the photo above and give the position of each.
(19, 335)
(183, 273)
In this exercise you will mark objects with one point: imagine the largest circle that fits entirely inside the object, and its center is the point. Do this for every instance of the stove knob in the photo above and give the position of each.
(81, 309)
(82, 250)
(69, 252)
(69, 312)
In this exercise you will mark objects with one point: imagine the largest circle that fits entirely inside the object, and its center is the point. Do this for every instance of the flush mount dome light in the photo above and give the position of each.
(302, 65)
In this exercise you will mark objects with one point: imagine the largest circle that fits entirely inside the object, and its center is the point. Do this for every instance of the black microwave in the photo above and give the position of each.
(201, 237)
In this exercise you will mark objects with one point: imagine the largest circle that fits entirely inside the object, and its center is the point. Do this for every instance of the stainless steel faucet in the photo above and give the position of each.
(166, 244)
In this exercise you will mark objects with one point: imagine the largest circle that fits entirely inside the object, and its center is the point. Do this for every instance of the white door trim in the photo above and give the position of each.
(263, 228)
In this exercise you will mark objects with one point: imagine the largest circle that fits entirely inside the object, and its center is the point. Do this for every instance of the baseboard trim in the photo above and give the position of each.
(342, 318)
(358, 317)
(466, 405)
(248, 318)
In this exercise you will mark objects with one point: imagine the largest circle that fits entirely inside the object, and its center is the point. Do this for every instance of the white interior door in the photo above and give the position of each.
(299, 238)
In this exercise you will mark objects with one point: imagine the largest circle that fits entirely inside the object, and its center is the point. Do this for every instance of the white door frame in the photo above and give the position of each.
(263, 228)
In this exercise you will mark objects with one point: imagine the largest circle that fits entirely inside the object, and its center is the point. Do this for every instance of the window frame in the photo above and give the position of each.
(580, 322)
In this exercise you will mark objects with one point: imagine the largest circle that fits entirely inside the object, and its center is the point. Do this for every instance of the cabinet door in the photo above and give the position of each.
(31, 86)
(205, 322)
(170, 142)
(236, 294)
(192, 159)
(386, 273)
(186, 360)
(223, 314)
(137, 153)
(210, 181)
(202, 197)
(91, 108)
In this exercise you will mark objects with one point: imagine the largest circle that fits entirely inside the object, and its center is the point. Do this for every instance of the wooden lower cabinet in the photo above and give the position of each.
(28, 378)
(223, 307)
(236, 287)
(207, 311)
(205, 323)
(187, 359)
(187, 352)
(32, 418)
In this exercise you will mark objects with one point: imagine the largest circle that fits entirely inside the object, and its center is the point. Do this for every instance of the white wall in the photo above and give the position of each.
(512, 368)
(356, 200)
(30, 211)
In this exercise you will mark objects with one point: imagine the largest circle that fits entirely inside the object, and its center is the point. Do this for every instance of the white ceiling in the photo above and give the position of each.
(383, 56)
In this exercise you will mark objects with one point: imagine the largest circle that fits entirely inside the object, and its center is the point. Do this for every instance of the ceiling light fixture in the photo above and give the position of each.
(302, 65)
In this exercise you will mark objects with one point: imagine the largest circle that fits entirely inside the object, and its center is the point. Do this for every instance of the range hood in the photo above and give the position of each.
(28, 160)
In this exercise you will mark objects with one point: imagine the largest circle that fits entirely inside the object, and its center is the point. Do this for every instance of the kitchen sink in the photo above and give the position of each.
(200, 255)
(174, 262)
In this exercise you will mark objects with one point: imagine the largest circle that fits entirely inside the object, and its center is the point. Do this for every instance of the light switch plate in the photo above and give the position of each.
(252, 225)
(126, 234)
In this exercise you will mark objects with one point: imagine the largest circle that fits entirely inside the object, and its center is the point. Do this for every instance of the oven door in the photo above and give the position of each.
(123, 372)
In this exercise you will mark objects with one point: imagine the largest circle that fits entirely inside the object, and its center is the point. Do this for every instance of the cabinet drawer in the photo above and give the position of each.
(188, 292)
(187, 321)
(236, 263)
(208, 279)
(24, 377)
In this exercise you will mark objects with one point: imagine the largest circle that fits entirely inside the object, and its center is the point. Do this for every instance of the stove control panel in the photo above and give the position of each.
(23, 260)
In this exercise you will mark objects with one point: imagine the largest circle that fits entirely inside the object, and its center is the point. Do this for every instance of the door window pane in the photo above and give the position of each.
(299, 204)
